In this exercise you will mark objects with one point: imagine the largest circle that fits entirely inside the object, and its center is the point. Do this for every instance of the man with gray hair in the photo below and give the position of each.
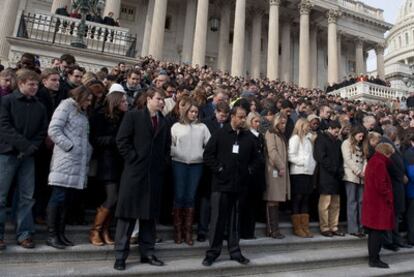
(369, 121)
(392, 240)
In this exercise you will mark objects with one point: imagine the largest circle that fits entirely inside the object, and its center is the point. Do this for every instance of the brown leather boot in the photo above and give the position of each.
(95, 233)
(305, 225)
(178, 225)
(297, 226)
(106, 234)
(272, 214)
(188, 225)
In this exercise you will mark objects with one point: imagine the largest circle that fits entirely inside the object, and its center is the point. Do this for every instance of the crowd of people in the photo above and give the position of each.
(95, 16)
(227, 148)
(351, 80)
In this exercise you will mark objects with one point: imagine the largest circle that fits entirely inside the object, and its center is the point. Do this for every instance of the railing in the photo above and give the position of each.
(362, 8)
(369, 91)
(63, 30)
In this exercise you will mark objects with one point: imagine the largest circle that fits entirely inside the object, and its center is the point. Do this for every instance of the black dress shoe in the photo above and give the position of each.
(379, 264)
(201, 237)
(403, 245)
(208, 261)
(241, 260)
(327, 234)
(152, 260)
(391, 247)
(119, 265)
(338, 233)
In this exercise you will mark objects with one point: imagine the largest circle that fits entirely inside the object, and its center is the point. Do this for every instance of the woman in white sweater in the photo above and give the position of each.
(188, 137)
(354, 167)
(302, 167)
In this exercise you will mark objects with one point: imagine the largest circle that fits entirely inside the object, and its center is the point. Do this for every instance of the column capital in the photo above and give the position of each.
(305, 7)
(359, 41)
(333, 15)
(256, 11)
(275, 2)
(379, 48)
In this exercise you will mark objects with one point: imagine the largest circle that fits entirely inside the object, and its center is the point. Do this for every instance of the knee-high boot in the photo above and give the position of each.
(96, 230)
(297, 226)
(188, 225)
(178, 225)
(53, 227)
(106, 234)
(272, 215)
(62, 226)
(305, 225)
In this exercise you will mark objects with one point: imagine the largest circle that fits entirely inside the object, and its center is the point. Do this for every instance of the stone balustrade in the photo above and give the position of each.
(369, 92)
(360, 7)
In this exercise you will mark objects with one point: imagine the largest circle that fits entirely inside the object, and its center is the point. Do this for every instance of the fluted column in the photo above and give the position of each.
(223, 49)
(305, 8)
(59, 4)
(157, 29)
(286, 51)
(341, 73)
(7, 21)
(256, 43)
(332, 46)
(314, 56)
(273, 42)
(112, 6)
(148, 27)
(237, 62)
(359, 57)
(200, 35)
(190, 17)
(380, 61)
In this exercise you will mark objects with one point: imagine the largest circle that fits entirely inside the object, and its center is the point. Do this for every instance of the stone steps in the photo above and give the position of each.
(307, 261)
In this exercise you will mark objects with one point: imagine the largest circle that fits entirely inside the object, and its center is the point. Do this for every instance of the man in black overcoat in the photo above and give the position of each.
(143, 140)
(231, 154)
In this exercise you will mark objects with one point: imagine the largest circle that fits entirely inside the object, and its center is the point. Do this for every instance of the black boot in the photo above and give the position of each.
(62, 226)
(52, 228)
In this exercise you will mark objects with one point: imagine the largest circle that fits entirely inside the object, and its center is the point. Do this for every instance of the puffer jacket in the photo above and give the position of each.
(300, 155)
(354, 163)
(69, 130)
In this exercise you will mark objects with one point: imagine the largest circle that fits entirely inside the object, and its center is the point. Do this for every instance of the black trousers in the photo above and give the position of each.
(249, 205)
(224, 212)
(393, 237)
(204, 215)
(375, 239)
(146, 237)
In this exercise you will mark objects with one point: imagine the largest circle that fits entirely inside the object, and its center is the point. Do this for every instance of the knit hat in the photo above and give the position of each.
(116, 87)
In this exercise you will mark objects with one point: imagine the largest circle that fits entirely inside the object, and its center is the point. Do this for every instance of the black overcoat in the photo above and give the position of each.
(144, 151)
(328, 154)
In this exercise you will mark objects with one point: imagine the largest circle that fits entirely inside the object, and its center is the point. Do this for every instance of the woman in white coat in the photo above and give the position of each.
(69, 130)
(302, 168)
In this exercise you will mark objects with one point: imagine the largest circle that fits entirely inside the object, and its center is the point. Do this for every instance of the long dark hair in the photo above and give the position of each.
(111, 103)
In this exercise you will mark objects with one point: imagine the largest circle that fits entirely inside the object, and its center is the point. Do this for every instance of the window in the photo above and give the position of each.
(407, 39)
(399, 42)
(168, 23)
(127, 13)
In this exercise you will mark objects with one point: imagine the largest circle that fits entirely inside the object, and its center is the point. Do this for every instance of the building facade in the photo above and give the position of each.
(308, 42)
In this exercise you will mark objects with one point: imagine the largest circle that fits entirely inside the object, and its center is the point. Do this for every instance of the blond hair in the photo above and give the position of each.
(385, 149)
(300, 128)
(250, 117)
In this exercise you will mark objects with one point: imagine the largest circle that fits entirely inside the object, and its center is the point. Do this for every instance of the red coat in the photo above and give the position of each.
(378, 199)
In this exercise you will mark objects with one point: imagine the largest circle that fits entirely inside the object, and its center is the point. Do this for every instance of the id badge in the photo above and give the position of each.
(275, 173)
(235, 149)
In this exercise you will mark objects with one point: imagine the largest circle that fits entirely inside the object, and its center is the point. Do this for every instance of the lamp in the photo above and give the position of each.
(214, 24)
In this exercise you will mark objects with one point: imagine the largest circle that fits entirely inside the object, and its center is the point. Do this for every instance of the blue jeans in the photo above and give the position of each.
(186, 179)
(23, 171)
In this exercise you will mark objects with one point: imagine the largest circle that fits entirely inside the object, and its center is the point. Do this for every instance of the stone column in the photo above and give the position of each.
(158, 29)
(223, 49)
(200, 36)
(341, 73)
(286, 59)
(380, 61)
(7, 22)
(60, 4)
(273, 43)
(190, 17)
(112, 6)
(148, 26)
(313, 68)
(359, 57)
(237, 62)
(332, 46)
(256, 35)
(305, 8)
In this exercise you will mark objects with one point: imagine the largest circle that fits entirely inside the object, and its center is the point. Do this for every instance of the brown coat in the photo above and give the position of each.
(277, 188)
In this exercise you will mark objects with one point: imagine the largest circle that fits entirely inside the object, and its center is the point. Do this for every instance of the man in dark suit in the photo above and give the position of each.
(230, 153)
(208, 110)
(144, 141)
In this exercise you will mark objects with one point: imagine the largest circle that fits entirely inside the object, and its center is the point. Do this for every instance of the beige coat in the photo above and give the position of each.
(277, 188)
(354, 163)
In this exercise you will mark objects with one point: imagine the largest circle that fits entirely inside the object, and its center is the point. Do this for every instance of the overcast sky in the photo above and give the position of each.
(391, 9)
